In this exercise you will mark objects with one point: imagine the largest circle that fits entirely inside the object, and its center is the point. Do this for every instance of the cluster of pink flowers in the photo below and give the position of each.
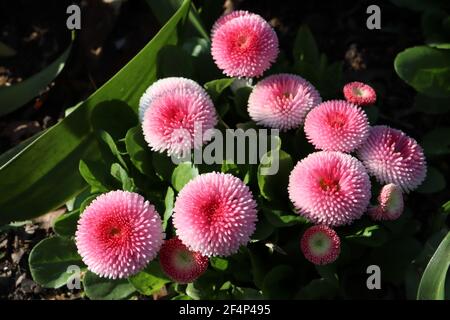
(216, 213)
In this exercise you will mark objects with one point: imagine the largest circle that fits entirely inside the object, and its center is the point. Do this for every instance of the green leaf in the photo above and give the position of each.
(182, 174)
(150, 280)
(434, 182)
(108, 139)
(95, 175)
(168, 204)
(432, 284)
(216, 87)
(317, 289)
(240, 101)
(218, 263)
(32, 190)
(280, 218)
(163, 10)
(305, 48)
(163, 166)
(279, 283)
(436, 142)
(139, 152)
(98, 288)
(168, 67)
(66, 224)
(50, 259)
(272, 186)
(372, 235)
(121, 175)
(426, 69)
(18, 94)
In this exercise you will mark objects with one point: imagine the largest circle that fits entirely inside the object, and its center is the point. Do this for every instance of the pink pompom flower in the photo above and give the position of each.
(243, 44)
(337, 125)
(215, 214)
(393, 157)
(282, 101)
(177, 114)
(320, 245)
(118, 234)
(390, 203)
(330, 188)
(359, 93)
(181, 264)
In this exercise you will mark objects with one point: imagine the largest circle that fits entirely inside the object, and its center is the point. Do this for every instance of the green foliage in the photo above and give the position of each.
(432, 284)
(25, 190)
(97, 288)
(426, 69)
(150, 280)
(50, 259)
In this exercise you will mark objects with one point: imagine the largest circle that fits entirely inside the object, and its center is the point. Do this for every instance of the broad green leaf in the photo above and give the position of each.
(150, 280)
(432, 284)
(163, 10)
(425, 69)
(168, 65)
(97, 288)
(437, 142)
(279, 283)
(108, 139)
(434, 182)
(280, 218)
(182, 174)
(66, 224)
(263, 230)
(50, 259)
(163, 166)
(219, 263)
(121, 175)
(95, 175)
(272, 185)
(31, 190)
(372, 235)
(18, 94)
(216, 87)
(305, 48)
(139, 152)
(169, 201)
(317, 289)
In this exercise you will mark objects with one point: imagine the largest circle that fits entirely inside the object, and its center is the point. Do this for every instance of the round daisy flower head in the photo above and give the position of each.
(359, 93)
(118, 234)
(243, 44)
(181, 264)
(215, 214)
(320, 245)
(390, 205)
(282, 101)
(393, 157)
(330, 188)
(337, 125)
(177, 114)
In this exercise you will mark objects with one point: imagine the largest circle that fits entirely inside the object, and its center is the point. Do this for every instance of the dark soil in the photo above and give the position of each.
(110, 37)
